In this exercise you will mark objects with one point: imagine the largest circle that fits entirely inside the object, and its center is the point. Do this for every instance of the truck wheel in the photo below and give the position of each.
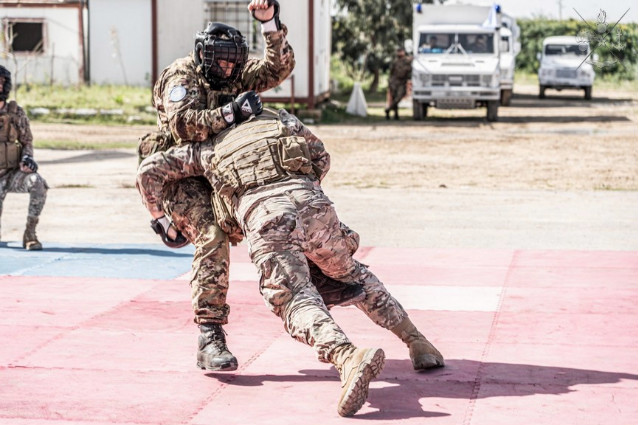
(419, 110)
(492, 110)
(588, 93)
(506, 97)
(541, 92)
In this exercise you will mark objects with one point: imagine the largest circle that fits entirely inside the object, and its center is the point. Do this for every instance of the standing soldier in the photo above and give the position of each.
(196, 97)
(400, 74)
(18, 169)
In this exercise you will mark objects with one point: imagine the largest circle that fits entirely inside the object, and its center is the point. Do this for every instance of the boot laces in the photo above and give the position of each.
(216, 336)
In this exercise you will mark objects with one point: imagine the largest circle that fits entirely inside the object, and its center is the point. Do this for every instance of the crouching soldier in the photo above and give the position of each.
(18, 169)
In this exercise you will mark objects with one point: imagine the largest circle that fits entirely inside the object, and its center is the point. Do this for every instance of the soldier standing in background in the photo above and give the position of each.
(196, 97)
(18, 169)
(400, 74)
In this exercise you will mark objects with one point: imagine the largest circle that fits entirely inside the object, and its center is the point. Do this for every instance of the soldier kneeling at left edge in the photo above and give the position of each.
(18, 169)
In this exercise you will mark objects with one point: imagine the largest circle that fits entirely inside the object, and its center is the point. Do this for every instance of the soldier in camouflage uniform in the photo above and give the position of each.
(400, 74)
(196, 97)
(18, 169)
(267, 173)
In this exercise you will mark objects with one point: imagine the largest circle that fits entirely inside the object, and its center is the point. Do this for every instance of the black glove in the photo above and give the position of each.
(245, 105)
(30, 163)
(160, 226)
(275, 15)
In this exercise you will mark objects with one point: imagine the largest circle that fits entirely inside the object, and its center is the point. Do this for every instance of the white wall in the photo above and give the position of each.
(120, 42)
(178, 21)
(294, 14)
(62, 57)
(323, 40)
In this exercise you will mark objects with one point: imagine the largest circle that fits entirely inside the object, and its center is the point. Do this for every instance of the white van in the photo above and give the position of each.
(456, 59)
(564, 65)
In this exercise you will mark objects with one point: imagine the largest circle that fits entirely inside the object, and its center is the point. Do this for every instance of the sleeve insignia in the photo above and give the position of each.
(177, 93)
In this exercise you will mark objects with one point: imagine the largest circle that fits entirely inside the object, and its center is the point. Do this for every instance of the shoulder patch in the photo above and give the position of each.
(177, 93)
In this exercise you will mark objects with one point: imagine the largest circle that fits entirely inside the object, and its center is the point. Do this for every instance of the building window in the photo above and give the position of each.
(235, 13)
(24, 36)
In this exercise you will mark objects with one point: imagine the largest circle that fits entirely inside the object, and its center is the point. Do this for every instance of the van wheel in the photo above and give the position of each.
(492, 110)
(541, 92)
(588, 93)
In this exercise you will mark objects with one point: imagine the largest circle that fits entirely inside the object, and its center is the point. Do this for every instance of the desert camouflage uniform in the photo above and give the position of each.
(14, 180)
(286, 223)
(196, 118)
(400, 74)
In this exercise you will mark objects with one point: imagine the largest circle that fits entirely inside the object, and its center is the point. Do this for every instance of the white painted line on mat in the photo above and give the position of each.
(447, 298)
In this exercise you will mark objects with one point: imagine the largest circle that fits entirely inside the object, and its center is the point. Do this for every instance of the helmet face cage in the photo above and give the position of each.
(6, 86)
(221, 43)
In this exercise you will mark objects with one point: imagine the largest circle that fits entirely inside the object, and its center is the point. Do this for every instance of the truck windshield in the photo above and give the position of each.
(566, 49)
(470, 43)
(435, 43)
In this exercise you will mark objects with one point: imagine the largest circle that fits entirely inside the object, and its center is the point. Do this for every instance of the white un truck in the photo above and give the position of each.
(456, 58)
(564, 65)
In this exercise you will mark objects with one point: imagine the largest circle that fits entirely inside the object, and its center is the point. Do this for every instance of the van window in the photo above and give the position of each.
(567, 49)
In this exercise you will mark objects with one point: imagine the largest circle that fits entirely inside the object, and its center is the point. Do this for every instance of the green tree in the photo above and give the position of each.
(366, 33)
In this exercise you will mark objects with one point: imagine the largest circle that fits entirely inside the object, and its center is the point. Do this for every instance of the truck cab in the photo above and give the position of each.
(456, 59)
(563, 65)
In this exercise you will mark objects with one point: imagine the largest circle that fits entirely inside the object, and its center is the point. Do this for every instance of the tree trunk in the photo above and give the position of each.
(374, 85)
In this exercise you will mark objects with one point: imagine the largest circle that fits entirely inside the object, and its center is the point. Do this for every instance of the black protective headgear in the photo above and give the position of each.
(6, 87)
(220, 42)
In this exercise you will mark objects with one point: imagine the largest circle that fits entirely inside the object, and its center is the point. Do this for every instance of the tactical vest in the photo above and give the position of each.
(257, 153)
(10, 147)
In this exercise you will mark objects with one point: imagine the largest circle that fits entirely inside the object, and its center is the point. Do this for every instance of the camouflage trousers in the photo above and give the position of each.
(188, 203)
(284, 229)
(397, 92)
(32, 183)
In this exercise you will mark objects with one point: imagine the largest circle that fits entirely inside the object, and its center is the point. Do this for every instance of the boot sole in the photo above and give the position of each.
(224, 367)
(357, 392)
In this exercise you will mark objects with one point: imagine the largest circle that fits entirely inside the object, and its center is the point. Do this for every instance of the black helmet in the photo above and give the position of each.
(220, 42)
(6, 87)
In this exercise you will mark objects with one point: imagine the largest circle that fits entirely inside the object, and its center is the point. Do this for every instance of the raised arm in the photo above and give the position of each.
(279, 58)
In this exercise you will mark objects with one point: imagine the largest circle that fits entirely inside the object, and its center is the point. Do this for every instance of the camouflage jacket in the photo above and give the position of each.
(20, 122)
(401, 70)
(195, 159)
(198, 115)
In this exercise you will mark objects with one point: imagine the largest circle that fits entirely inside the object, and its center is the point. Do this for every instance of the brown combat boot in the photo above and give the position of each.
(30, 240)
(422, 353)
(357, 367)
(213, 353)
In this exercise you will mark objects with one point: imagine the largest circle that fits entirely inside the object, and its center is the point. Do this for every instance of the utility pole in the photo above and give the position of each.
(560, 9)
